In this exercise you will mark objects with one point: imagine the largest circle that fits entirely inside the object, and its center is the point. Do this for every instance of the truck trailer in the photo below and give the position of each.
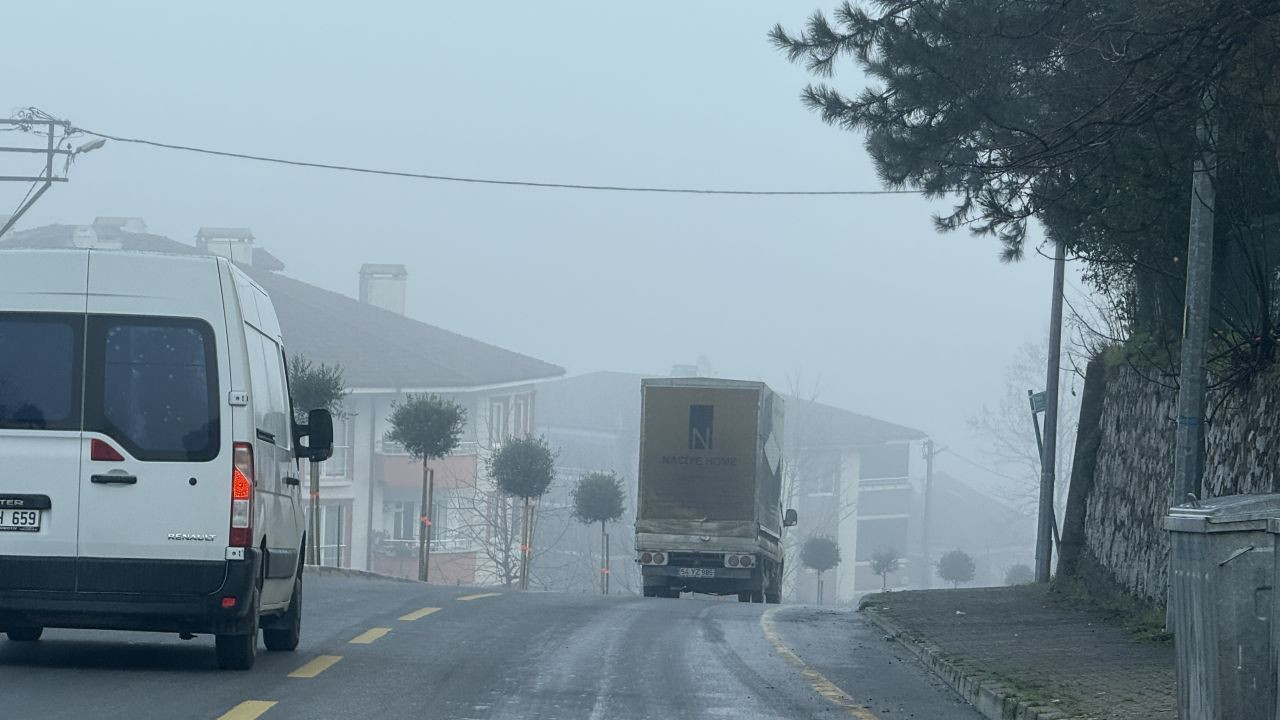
(709, 516)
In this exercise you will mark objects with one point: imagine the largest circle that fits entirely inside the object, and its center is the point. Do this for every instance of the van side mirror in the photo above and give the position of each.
(790, 519)
(319, 434)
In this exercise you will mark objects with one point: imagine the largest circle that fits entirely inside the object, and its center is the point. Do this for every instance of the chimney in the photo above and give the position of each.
(383, 286)
(235, 244)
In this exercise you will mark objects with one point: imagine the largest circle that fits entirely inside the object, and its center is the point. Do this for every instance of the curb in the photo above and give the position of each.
(988, 697)
(350, 572)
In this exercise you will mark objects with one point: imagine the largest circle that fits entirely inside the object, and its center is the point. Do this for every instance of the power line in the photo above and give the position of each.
(485, 181)
(984, 467)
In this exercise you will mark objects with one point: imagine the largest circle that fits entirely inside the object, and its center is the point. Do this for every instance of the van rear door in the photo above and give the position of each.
(155, 384)
(41, 346)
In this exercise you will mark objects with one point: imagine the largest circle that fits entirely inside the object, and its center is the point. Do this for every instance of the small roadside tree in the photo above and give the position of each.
(1019, 574)
(884, 561)
(524, 468)
(820, 553)
(956, 567)
(314, 387)
(428, 427)
(598, 497)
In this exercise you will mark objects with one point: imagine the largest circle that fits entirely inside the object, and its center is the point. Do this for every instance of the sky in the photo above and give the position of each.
(856, 300)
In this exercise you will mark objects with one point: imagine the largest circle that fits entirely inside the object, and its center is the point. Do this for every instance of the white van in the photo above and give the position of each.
(149, 458)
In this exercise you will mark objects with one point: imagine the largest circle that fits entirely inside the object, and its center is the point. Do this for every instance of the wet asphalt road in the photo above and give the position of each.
(493, 656)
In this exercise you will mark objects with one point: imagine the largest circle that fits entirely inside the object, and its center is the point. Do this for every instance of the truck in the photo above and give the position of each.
(709, 515)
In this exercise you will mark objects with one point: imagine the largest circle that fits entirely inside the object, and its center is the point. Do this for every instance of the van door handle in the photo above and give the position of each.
(291, 480)
(114, 479)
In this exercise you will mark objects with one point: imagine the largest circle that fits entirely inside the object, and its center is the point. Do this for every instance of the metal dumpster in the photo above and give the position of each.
(1221, 571)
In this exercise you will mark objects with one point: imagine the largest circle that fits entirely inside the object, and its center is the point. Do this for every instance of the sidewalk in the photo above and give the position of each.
(1023, 652)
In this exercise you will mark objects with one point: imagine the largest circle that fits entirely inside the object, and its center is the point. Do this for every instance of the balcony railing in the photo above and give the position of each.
(388, 447)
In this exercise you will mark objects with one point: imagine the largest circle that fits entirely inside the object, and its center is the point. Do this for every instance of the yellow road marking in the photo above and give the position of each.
(464, 598)
(820, 683)
(418, 614)
(368, 636)
(317, 665)
(247, 710)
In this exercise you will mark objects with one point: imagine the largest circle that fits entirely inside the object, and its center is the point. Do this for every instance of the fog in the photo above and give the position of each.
(856, 300)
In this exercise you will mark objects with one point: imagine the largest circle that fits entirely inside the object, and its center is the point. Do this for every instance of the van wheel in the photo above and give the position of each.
(237, 652)
(284, 637)
(24, 634)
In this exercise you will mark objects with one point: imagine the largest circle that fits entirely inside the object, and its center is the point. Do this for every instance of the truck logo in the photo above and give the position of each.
(701, 420)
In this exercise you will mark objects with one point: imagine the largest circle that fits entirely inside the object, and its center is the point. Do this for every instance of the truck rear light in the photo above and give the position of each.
(241, 534)
(102, 451)
(746, 561)
(646, 558)
(731, 561)
(659, 559)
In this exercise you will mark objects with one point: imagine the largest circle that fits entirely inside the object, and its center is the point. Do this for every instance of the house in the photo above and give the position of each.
(850, 476)
(370, 490)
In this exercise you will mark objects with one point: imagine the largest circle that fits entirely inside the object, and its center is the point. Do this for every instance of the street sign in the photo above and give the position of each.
(1039, 401)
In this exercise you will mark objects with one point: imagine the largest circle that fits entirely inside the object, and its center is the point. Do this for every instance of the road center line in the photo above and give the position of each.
(478, 596)
(315, 666)
(820, 683)
(247, 710)
(368, 636)
(418, 614)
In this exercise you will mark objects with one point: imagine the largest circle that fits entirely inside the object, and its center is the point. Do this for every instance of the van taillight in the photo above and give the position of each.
(102, 451)
(241, 534)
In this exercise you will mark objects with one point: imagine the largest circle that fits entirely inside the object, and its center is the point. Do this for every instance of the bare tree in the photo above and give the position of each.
(1006, 428)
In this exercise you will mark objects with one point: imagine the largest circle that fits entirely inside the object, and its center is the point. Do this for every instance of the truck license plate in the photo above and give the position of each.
(697, 572)
(20, 520)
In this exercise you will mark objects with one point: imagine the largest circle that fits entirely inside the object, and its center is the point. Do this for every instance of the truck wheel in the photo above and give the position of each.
(237, 652)
(773, 598)
(651, 592)
(24, 634)
(757, 596)
(284, 638)
(744, 596)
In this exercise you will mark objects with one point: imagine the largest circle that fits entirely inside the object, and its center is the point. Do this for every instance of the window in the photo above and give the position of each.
(278, 415)
(404, 525)
(40, 371)
(522, 416)
(884, 461)
(332, 534)
(497, 422)
(153, 387)
(336, 465)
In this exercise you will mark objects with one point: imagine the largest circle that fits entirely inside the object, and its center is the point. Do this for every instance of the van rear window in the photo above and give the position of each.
(153, 386)
(40, 371)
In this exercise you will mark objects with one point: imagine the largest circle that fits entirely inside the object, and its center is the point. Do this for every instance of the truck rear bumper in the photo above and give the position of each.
(684, 573)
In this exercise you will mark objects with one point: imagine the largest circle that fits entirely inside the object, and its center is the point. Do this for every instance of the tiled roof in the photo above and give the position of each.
(381, 349)
(376, 348)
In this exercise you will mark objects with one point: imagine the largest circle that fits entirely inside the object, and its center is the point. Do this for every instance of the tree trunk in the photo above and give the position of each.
(524, 545)
(424, 525)
(313, 483)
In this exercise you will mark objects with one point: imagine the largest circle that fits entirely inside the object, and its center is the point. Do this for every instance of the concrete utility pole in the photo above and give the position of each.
(52, 149)
(929, 452)
(1049, 460)
(1188, 458)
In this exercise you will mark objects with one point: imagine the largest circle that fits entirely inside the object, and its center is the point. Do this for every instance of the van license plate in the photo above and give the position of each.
(20, 520)
(698, 572)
